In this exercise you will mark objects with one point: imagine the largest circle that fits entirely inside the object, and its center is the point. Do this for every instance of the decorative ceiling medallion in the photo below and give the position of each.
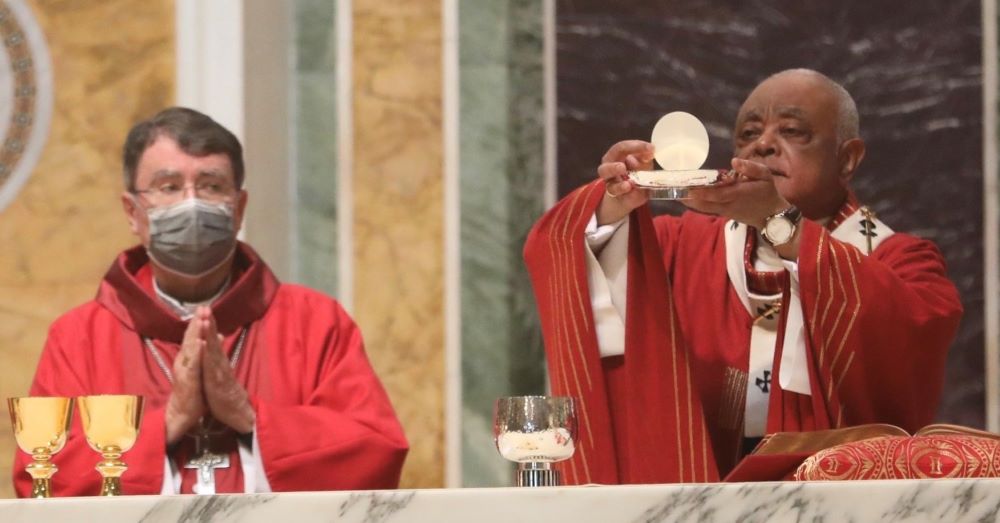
(25, 96)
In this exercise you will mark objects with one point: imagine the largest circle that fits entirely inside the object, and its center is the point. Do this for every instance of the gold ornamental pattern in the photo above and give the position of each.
(25, 96)
(20, 122)
(897, 457)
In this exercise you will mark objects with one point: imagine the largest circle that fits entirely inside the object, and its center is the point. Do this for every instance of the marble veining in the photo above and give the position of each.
(377, 506)
(204, 508)
(850, 501)
(903, 501)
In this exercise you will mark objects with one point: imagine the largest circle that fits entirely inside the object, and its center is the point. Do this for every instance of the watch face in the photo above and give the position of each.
(779, 230)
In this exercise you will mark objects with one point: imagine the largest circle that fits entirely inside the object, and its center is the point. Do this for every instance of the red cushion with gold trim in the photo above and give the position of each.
(905, 457)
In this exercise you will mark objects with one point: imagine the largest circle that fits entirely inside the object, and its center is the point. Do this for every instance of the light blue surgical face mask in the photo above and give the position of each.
(192, 237)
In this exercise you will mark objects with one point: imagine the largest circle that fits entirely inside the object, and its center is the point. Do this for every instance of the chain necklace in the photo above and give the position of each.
(233, 359)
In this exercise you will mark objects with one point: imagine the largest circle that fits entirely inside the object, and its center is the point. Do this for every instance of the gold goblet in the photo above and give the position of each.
(40, 428)
(111, 424)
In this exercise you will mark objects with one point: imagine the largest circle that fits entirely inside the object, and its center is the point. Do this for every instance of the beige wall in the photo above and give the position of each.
(113, 63)
(398, 224)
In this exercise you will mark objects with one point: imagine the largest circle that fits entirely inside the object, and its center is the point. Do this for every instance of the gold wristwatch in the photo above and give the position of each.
(779, 228)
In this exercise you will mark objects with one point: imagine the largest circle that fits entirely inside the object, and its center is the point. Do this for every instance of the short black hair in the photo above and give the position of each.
(195, 133)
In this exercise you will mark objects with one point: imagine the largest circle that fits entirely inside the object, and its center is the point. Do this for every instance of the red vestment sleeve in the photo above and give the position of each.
(878, 330)
(667, 438)
(344, 434)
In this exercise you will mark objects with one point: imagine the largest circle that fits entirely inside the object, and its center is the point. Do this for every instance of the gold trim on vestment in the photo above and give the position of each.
(564, 390)
(839, 276)
(847, 331)
(677, 412)
(581, 302)
(705, 444)
(843, 375)
(814, 317)
(850, 326)
(581, 198)
(826, 310)
(850, 268)
(561, 273)
(733, 404)
(829, 332)
(566, 276)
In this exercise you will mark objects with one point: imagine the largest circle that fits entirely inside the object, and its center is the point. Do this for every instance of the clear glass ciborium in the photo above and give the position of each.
(111, 425)
(535, 432)
(41, 425)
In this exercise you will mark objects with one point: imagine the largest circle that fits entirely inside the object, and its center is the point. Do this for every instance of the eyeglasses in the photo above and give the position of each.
(169, 192)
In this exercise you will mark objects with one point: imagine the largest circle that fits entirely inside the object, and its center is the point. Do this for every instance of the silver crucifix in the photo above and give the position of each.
(206, 462)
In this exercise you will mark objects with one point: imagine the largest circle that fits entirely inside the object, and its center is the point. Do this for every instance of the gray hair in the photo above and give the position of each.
(848, 122)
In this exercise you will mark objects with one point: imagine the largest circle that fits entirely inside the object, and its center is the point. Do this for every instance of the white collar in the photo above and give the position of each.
(185, 310)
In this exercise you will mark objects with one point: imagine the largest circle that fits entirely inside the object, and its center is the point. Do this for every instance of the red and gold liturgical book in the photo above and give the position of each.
(874, 451)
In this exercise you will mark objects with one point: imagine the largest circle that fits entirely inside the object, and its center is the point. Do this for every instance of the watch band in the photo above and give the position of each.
(791, 212)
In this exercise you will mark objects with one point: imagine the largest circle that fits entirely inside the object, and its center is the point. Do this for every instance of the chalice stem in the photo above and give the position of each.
(111, 487)
(41, 471)
(111, 470)
(41, 488)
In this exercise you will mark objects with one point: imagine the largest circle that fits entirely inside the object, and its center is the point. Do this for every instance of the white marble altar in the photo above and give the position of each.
(883, 501)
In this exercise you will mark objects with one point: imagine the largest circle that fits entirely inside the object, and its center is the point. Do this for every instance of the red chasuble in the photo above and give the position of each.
(641, 422)
(877, 329)
(324, 422)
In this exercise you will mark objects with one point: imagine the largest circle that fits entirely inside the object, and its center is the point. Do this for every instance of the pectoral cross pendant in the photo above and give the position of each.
(205, 461)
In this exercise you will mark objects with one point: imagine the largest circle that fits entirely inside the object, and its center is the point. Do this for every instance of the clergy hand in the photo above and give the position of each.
(186, 404)
(749, 197)
(227, 400)
(621, 195)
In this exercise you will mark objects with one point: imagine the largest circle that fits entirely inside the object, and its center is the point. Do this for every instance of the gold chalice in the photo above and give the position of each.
(40, 428)
(111, 424)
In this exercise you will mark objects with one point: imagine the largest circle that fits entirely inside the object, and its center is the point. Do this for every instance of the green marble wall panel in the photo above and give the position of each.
(501, 134)
(314, 135)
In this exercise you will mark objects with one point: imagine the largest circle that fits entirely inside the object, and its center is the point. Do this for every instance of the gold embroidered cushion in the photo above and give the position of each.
(906, 457)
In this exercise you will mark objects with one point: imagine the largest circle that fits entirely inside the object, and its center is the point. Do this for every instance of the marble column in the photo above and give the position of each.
(398, 216)
(314, 260)
(501, 134)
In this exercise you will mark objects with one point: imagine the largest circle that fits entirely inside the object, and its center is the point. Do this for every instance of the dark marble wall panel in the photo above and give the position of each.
(913, 67)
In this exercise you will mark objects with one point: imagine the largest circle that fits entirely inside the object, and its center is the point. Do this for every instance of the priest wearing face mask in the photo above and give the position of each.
(251, 385)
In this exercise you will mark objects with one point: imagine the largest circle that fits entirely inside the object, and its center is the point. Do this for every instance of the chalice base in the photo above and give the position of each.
(537, 474)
